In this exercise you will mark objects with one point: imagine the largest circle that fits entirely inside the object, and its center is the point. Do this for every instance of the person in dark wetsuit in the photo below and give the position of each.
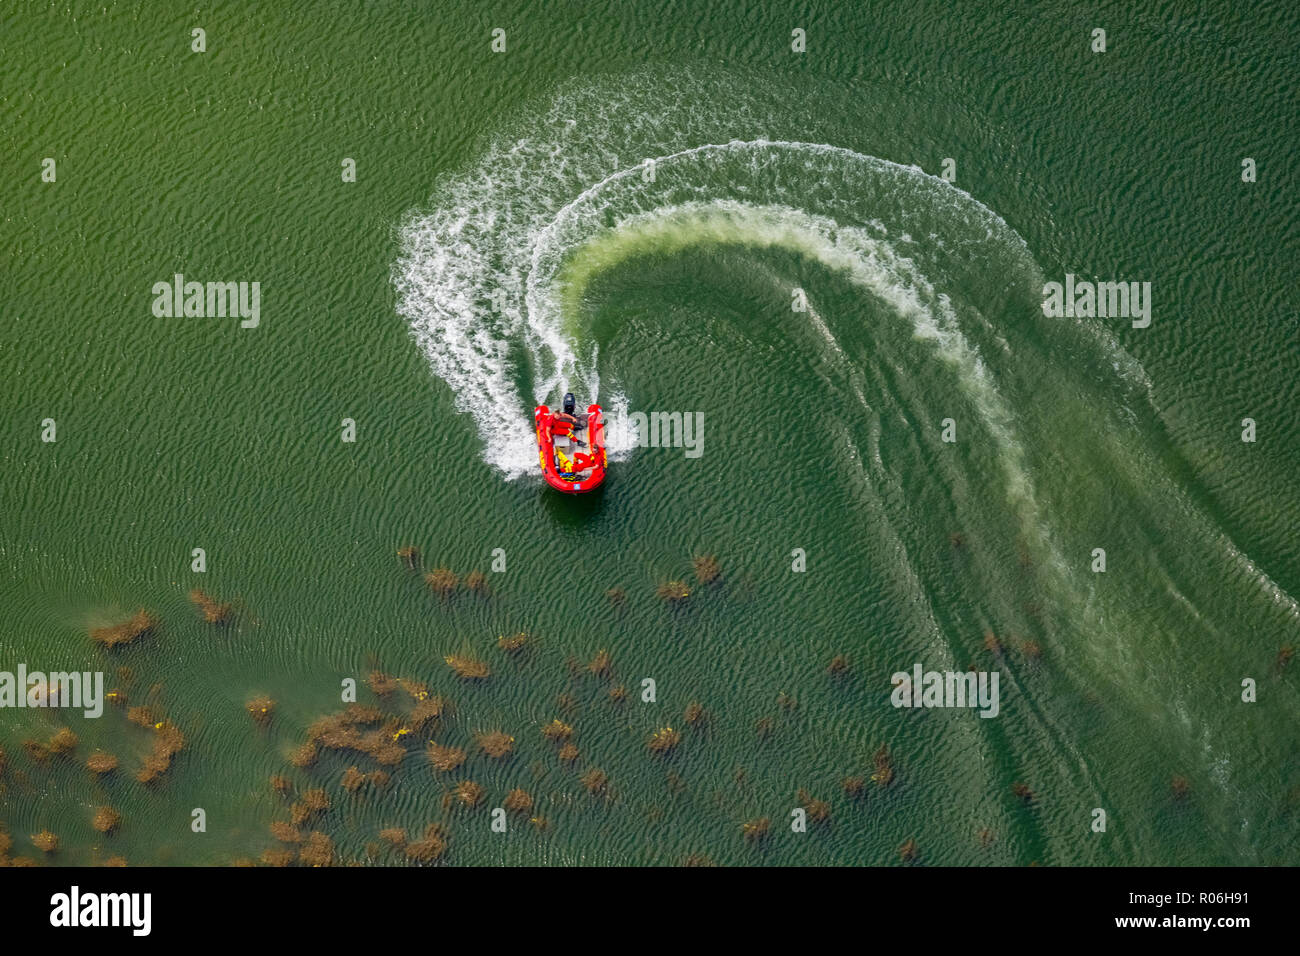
(566, 422)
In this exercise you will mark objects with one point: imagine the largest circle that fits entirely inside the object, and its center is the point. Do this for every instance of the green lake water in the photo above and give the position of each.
(505, 240)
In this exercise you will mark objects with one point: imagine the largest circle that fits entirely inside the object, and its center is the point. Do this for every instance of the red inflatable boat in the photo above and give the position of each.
(572, 453)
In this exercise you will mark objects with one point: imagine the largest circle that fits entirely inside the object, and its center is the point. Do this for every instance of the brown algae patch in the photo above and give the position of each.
(674, 592)
(101, 762)
(755, 831)
(442, 582)
(818, 811)
(557, 730)
(168, 741)
(106, 820)
(595, 781)
(468, 668)
(663, 741)
(445, 759)
(260, 708)
(317, 850)
(430, 847)
(707, 569)
(142, 623)
(513, 643)
(518, 801)
(496, 744)
(212, 610)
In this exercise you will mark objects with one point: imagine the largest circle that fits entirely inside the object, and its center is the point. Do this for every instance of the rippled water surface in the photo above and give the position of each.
(626, 210)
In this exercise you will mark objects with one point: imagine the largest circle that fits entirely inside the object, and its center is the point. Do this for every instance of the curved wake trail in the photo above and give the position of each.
(493, 276)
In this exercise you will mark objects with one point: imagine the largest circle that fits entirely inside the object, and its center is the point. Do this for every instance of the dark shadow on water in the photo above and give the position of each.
(573, 512)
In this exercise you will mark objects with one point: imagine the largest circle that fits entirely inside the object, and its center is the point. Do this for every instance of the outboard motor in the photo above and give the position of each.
(570, 403)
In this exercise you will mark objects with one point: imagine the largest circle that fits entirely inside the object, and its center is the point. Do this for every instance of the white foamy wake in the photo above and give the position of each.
(489, 277)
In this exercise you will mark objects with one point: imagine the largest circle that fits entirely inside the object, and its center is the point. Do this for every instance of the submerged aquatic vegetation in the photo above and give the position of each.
(884, 762)
(381, 684)
(144, 716)
(468, 668)
(304, 756)
(45, 841)
(430, 847)
(1180, 787)
(839, 666)
(706, 567)
(417, 690)
(427, 710)
(616, 596)
(1022, 792)
(140, 625)
(277, 856)
(673, 591)
(694, 713)
(445, 759)
(101, 762)
(476, 581)
(168, 741)
(496, 744)
(595, 781)
(260, 708)
(618, 694)
(442, 582)
(317, 850)
(557, 730)
(63, 741)
(854, 787)
(312, 803)
(568, 753)
(36, 751)
(518, 801)
(106, 820)
(353, 780)
(409, 556)
(664, 740)
(286, 832)
(212, 610)
(393, 836)
(909, 852)
(469, 793)
(756, 830)
(602, 665)
(818, 811)
(342, 731)
(514, 643)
